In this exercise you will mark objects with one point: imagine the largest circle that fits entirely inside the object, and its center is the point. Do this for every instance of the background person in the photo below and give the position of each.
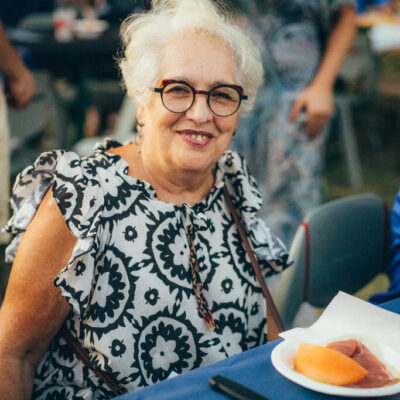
(394, 266)
(134, 249)
(19, 84)
(303, 45)
(384, 6)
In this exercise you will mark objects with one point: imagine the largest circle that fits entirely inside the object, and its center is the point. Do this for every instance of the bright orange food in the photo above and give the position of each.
(327, 365)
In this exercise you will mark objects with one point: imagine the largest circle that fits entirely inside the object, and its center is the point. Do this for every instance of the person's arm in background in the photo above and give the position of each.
(33, 309)
(394, 258)
(394, 266)
(317, 99)
(19, 81)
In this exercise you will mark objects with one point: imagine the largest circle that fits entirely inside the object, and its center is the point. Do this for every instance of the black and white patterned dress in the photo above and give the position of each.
(128, 280)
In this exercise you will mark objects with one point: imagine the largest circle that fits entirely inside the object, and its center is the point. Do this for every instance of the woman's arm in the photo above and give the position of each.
(33, 309)
(317, 98)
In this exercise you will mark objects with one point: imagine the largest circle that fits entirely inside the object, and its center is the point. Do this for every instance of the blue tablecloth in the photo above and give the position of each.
(253, 368)
(392, 305)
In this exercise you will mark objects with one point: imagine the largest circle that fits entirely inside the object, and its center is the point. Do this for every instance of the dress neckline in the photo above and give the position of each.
(122, 167)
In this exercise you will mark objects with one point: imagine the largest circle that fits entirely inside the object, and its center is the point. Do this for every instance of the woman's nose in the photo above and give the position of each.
(200, 112)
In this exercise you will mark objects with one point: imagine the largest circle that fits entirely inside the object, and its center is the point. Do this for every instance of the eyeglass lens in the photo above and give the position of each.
(178, 97)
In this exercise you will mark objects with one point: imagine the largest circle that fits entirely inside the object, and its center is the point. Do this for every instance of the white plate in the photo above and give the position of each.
(282, 357)
(89, 28)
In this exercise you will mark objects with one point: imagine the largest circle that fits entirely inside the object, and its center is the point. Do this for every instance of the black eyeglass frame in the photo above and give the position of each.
(166, 82)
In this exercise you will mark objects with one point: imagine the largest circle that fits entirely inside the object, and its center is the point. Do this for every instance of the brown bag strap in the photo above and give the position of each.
(81, 353)
(275, 325)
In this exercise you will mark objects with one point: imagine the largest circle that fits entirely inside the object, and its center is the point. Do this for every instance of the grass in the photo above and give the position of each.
(377, 125)
(380, 163)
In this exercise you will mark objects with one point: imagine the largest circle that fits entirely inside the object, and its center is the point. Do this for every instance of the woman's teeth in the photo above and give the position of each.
(199, 138)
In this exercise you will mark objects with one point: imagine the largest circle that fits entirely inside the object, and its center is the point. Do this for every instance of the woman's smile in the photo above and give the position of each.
(196, 138)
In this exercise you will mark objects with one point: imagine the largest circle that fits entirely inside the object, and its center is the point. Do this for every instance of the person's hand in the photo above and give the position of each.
(20, 88)
(317, 101)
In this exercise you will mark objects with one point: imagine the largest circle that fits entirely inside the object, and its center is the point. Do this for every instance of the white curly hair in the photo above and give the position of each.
(145, 35)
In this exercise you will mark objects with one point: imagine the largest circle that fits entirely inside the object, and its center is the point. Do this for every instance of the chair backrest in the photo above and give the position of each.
(341, 245)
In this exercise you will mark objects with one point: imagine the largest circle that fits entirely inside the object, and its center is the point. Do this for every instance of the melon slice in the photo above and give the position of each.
(326, 365)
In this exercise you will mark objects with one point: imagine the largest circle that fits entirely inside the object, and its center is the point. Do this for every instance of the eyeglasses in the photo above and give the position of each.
(179, 96)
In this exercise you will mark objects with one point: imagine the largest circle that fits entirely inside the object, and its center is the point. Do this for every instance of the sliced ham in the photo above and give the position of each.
(377, 376)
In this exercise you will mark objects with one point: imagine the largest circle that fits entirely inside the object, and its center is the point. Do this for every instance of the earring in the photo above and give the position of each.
(139, 126)
(139, 133)
(234, 133)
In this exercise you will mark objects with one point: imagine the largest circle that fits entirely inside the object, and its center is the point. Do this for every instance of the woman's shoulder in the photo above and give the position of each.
(78, 187)
(104, 168)
(232, 163)
(245, 194)
(233, 170)
(68, 162)
(107, 152)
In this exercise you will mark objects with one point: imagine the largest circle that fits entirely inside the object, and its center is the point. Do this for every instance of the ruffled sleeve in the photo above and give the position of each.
(80, 200)
(270, 251)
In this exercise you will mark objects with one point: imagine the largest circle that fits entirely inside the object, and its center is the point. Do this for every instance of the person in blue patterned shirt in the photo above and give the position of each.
(394, 259)
(303, 44)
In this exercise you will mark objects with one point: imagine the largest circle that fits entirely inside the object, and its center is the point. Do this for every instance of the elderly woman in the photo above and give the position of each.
(134, 250)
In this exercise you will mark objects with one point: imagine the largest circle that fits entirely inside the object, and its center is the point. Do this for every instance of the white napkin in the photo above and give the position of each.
(385, 37)
(347, 314)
